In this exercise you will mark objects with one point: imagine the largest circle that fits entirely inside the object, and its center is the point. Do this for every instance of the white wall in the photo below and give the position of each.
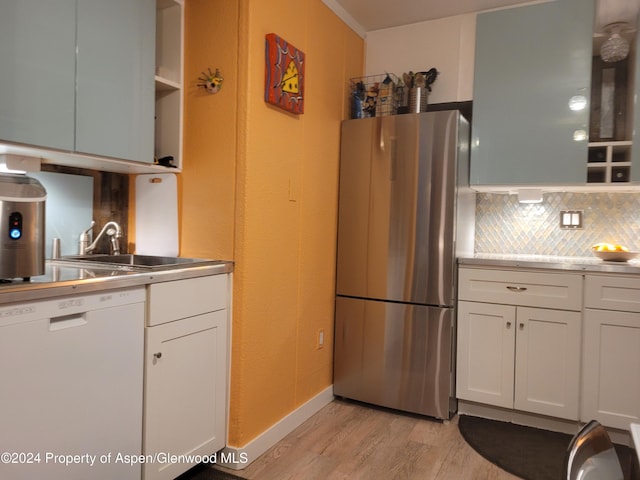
(447, 44)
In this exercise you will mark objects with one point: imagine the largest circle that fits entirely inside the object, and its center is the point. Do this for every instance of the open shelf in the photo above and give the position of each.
(168, 80)
(609, 162)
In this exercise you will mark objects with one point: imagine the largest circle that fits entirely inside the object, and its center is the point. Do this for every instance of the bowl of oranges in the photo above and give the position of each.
(612, 252)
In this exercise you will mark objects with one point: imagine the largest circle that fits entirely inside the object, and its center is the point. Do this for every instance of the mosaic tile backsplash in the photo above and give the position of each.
(503, 225)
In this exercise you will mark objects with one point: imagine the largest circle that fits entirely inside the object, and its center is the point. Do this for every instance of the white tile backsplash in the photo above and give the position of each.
(505, 226)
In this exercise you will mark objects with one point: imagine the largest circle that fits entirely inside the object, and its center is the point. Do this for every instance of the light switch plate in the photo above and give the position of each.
(571, 219)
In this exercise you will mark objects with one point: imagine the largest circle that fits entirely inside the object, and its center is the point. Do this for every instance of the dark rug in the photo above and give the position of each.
(207, 472)
(529, 453)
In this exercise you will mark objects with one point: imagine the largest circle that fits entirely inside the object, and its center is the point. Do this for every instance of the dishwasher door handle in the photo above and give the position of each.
(67, 321)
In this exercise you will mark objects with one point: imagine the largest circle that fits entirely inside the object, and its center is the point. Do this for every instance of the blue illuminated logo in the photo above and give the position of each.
(15, 226)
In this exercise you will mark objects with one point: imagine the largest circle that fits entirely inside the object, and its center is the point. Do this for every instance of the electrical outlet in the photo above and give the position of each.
(320, 339)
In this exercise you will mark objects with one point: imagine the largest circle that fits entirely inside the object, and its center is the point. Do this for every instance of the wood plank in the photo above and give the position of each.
(348, 440)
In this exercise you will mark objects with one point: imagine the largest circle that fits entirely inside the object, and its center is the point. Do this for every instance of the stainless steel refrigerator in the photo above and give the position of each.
(405, 213)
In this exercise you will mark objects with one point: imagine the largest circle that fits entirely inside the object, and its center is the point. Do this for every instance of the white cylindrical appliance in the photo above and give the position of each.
(22, 226)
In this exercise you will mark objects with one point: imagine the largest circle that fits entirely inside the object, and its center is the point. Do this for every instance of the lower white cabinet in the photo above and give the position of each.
(519, 357)
(548, 362)
(186, 368)
(486, 353)
(611, 351)
(514, 356)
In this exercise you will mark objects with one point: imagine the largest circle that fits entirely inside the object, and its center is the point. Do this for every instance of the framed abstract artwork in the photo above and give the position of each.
(283, 74)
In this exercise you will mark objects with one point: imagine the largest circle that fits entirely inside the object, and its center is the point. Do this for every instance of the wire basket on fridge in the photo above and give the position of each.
(374, 96)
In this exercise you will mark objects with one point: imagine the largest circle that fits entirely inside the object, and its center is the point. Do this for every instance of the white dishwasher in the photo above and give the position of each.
(72, 384)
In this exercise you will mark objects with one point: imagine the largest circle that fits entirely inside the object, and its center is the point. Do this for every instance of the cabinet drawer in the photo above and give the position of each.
(530, 289)
(612, 293)
(170, 301)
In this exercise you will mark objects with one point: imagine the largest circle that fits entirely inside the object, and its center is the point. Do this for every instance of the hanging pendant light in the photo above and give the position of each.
(615, 48)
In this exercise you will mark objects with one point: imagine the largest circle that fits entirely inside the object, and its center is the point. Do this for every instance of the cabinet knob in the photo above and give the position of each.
(157, 355)
(508, 324)
(522, 326)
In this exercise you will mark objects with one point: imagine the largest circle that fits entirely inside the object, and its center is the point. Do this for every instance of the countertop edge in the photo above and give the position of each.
(566, 264)
(26, 291)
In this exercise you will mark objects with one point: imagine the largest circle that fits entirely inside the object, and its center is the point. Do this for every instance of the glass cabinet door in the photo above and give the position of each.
(37, 54)
(115, 92)
(532, 68)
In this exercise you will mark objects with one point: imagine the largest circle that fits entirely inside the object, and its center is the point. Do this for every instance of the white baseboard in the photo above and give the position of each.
(238, 458)
(543, 422)
(518, 417)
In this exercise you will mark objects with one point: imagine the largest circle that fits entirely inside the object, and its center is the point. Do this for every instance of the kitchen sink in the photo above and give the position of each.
(147, 262)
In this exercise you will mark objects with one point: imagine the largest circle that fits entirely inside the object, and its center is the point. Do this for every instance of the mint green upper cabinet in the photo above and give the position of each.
(530, 61)
(37, 58)
(78, 76)
(115, 86)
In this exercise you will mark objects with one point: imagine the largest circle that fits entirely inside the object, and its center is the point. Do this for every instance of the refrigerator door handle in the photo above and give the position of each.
(393, 155)
(380, 134)
(388, 142)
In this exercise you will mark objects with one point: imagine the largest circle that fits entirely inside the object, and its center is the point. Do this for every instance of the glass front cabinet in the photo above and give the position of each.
(547, 109)
(612, 116)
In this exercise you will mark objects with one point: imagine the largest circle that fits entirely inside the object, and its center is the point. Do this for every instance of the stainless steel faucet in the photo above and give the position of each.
(110, 228)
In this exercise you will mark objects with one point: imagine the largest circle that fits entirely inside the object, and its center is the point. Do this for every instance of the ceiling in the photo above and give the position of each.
(378, 14)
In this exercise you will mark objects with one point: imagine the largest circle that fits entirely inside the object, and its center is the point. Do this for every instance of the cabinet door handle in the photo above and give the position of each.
(508, 324)
(157, 355)
(522, 326)
(516, 289)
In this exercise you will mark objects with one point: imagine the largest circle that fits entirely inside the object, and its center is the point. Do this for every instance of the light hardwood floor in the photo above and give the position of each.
(346, 440)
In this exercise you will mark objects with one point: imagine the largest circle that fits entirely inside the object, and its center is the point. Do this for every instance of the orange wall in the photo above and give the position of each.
(207, 184)
(280, 219)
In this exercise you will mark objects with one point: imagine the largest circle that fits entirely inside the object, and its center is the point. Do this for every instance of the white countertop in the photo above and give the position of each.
(71, 278)
(579, 264)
